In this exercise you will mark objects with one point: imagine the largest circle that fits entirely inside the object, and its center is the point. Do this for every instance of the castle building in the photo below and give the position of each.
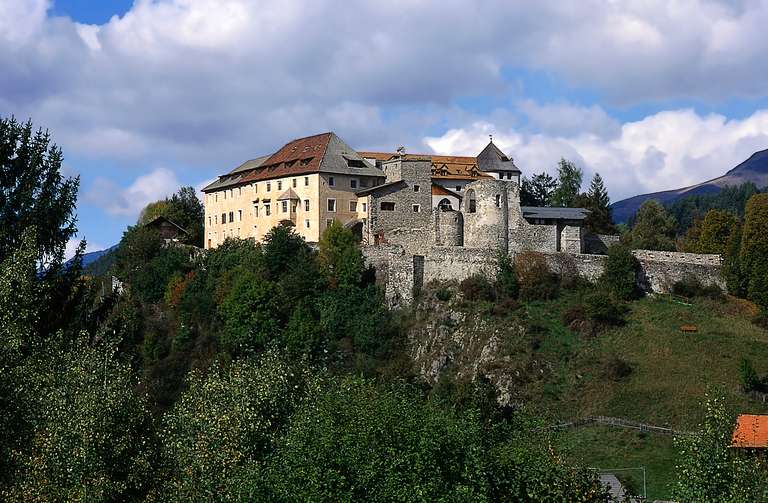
(414, 200)
(306, 184)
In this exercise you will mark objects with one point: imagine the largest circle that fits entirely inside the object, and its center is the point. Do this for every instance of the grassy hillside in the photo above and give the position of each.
(662, 378)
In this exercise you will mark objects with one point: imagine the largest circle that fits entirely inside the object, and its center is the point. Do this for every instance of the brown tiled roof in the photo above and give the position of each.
(751, 431)
(439, 190)
(298, 157)
(444, 167)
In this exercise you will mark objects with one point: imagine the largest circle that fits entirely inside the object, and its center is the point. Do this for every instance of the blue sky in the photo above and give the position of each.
(146, 96)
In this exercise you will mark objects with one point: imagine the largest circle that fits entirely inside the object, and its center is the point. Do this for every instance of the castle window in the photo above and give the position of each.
(445, 204)
(416, 208)
(294, 183)
(306, 205)
(284, 205)
(353, 183)
(385, 206)
(416, 188)
(216, 219)
(306, 181)
(471, 203)
(332, 205)
(255, 211)
(306, 223)
(231, 216)
(458, 188)
(239, 215)
(279, 185)
(353, 206)
(223, 218)
(331, 181)
(209, 221)
(498, 201)
(269, 186)
(239, 191)
(365, 207)
(267, 209)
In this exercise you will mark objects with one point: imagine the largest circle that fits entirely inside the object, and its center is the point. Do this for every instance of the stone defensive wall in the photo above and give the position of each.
(403, 273)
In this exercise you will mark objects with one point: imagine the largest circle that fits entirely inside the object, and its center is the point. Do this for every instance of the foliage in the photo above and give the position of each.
(538, 190)
(339, 258)
(753, 255)
(653, 228)
(710, 471)
(620, 274)
(33, 193)
(568, 185)
(92, 435)
(714, 233)
(226, 424)
(602, 309)
(534, 277)
(691, 286)
(283, 248)
(251, 313)
(749, 378)
(477, 287)
(357, 441)
(732, 199)
(506, 284)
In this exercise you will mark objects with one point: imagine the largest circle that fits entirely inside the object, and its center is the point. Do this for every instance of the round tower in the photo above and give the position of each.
(449, 228)
(485, 207)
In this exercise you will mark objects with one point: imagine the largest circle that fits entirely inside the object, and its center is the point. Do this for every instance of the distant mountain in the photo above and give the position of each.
(90, 258)
(754, 169)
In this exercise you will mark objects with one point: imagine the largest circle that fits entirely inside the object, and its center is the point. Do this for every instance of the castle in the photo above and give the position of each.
(419, 217)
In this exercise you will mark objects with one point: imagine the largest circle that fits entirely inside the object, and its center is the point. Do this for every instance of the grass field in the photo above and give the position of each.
(624, 451)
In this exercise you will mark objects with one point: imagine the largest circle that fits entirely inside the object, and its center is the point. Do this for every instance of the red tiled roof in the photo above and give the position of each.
(751, 431)
(444, 167)
(298, 157)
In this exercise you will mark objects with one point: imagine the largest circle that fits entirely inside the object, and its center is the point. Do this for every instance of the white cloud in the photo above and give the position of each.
(74, 243)
(218, 80)
(666, 150)
(129, 201)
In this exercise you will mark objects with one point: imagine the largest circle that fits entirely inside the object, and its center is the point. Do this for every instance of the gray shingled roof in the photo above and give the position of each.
(234, 177)
(378, 188)
(493, 160)
(554, 213)
(337, 157)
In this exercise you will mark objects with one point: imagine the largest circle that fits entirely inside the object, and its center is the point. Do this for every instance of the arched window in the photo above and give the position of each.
(471, 203)
(445, 204)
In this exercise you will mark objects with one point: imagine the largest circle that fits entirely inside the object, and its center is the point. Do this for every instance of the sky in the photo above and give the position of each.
(145, 96)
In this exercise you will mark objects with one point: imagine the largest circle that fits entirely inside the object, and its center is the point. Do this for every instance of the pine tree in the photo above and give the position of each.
(653, 229)
(538, 190)
(754, 249)
(600, 218)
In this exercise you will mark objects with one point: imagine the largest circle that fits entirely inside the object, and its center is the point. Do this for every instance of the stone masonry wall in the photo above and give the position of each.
(599, 243)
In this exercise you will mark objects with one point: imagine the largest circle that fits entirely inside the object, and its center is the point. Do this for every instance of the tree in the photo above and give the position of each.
(717, 231)
(653, 229)
(506, 278)
(33, 193)
(219, 435)
(340, 258)
(709, 471)
(538, 190)
(251, 313)
(282, 250)
(568, 185)
(753, 256)
(600, 218)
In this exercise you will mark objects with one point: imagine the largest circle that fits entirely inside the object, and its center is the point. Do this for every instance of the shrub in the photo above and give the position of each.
(617, 369)
(504, 307)
(536, 280)
(761, 320)
(600, 308)
(749, 379)
(620, 274)
(691, 286)
(506, 278)
(443, 294)
(476, 287)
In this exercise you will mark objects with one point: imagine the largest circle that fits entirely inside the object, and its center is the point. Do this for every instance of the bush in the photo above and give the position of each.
(536, 281)
(691, 286)
(750, 381)
(620, 274)
(476, 287)
(617, 369)
(506, 278)
(443, 294)
(600, 308)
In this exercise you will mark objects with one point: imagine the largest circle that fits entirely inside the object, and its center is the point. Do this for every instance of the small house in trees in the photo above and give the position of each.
(168, 229)
(750, 432)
